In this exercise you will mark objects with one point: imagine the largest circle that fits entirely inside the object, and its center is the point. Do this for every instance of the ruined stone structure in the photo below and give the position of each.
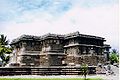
(59, 50)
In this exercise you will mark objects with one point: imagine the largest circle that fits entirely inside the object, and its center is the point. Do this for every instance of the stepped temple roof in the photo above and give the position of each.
(77, 34)
(54, 36)
(26, 37)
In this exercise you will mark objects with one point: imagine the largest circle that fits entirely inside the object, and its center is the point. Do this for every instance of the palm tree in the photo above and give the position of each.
(4, 49)
(3, 40)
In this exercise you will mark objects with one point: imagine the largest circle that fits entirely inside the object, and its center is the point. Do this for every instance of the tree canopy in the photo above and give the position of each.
(4, 49)
(114, 57)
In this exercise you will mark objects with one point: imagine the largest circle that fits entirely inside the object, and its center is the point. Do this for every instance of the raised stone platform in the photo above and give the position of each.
(44, 71)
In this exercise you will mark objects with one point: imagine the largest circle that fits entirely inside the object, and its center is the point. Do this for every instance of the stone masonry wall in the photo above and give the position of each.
(85, 59)
(30, 60)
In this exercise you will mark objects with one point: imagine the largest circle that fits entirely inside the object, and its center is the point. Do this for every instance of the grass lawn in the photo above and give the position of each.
(49, 79)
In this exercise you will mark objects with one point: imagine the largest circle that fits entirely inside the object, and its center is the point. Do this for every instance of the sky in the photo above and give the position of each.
(38, 17)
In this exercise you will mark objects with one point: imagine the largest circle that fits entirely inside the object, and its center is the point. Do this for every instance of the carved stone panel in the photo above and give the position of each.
(30, 60)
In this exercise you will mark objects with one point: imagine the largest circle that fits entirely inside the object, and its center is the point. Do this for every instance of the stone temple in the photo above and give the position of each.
(72, 49)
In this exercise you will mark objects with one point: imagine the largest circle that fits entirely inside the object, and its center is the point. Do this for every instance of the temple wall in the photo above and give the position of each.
(44, 60)
(32, 46)
(52, 50)
(52, 45)
(84, 51)
(30, 60)
(85, 59)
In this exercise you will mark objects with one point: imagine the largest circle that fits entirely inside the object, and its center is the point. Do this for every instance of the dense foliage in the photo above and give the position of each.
(114, 56)
(4, 50)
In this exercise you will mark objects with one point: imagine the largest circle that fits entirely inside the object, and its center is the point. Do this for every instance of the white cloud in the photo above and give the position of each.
(100, 21)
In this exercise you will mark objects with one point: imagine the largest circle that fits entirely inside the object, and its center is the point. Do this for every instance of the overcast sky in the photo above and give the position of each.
(38, 17)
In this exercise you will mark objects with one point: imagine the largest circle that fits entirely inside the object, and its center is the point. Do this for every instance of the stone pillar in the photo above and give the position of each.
(91, 51)
(106, 53)
(14, 58)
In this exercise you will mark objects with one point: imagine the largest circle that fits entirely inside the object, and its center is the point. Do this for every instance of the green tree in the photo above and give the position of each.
(4, 49)
(114, 57)
(3, 40)
(84, 69)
